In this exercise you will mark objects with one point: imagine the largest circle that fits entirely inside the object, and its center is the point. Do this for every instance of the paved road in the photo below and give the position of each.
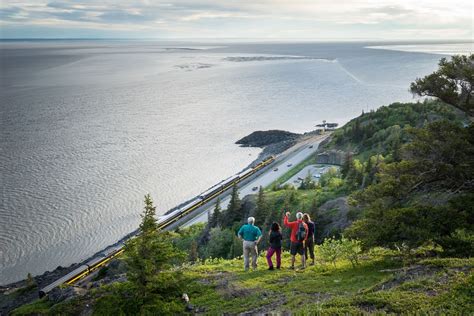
(291, 157)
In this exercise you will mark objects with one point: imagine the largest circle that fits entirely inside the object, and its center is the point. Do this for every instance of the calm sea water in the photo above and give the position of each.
(89, 127)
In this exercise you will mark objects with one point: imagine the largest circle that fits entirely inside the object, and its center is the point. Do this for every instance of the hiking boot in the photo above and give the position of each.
(278, 268)
(292, 267)
(312, 263)
(270, 268)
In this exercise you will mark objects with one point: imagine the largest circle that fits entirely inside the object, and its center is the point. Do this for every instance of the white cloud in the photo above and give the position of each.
(245, 18)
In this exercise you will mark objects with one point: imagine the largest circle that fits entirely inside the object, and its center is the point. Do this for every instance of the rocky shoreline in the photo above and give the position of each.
(273, 142)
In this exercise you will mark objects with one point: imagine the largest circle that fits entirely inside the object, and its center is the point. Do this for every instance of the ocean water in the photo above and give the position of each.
(89, 127)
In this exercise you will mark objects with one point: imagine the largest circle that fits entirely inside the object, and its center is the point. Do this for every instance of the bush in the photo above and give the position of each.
(333, 249)
(330, 250)
(351, 250)
(460, 244)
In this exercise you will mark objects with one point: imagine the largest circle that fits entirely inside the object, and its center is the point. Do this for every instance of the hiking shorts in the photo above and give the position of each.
(296, 247)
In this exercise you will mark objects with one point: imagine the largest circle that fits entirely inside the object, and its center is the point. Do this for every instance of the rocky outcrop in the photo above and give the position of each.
(333, 217)
(333, 157)
(265, 138)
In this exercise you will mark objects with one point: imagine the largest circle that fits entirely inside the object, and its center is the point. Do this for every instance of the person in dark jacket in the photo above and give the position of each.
(275, 246)
(309, 245)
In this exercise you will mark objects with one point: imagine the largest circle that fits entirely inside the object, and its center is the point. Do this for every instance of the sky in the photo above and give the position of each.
(227, 19)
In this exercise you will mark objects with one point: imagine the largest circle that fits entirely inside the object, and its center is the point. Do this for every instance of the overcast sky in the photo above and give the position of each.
(265, 19)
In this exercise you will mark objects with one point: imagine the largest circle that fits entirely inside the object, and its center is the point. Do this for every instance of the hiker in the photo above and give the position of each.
(299, 233)
(309, 244)
(251, 235)
(275, 246)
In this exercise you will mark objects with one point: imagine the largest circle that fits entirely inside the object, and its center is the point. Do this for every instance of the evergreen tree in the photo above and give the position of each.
(307, 183)
(148, 255)
(216, 217)
(369, 173)
(358, 132)
(148, 224)
(261, 211)
(452, 83)
(347, 164)
(233, 212)
(396, 151)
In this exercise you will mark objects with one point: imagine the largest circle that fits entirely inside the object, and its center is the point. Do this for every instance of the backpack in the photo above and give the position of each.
(301, 233)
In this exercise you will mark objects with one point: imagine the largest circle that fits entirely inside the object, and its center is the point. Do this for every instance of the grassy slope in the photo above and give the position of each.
(379, 285)
(376, 286)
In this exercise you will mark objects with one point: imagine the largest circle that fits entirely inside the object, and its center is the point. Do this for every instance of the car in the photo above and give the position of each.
(289, 165)
(311, 146)
(254, 188)
(276, 169)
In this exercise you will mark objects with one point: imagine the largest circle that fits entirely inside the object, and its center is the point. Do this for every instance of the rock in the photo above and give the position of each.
(265, 138)
(333, 217)
(333, 157)
(60, 294)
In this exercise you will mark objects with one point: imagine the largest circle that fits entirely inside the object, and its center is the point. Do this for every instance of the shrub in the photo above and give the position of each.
(333, 249)
(459, 243)
(351, 250)
(330, 250)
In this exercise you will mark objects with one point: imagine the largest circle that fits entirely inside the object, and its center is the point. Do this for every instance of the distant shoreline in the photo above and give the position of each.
(453, 48)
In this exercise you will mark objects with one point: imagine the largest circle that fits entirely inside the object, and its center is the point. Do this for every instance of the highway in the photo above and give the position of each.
(263, 177)
(284, 162)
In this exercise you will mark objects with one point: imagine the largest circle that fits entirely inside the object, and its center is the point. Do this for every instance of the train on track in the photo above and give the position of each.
(163, 222)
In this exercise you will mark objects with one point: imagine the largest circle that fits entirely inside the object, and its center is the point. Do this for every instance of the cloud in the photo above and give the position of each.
(245, 18)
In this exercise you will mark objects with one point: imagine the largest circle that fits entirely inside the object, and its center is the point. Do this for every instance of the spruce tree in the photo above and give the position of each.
(216, 217)
(369, 173)
(148, 255)
(396, 151)
(347, 164)
(261, 212)
(233, 213)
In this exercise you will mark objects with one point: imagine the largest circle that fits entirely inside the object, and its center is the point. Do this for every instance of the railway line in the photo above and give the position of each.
(163, 222)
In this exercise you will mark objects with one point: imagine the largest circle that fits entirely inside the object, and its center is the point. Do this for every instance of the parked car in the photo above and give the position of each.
(289, 165)
(254, 188)
(276, 169)
(311, 146)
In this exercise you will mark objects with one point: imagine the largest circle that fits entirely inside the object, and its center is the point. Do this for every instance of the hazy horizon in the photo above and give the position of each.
(262, 19)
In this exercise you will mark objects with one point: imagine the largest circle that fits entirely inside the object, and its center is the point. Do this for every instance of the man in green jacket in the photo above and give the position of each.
(251, 235)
